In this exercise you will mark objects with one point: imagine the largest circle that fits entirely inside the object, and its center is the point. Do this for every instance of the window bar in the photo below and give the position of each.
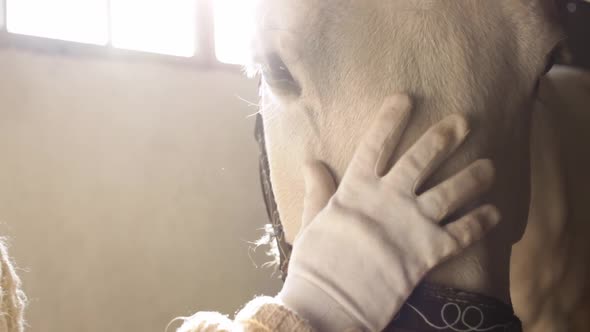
(109, 24)
(3, 17)
(205, 43)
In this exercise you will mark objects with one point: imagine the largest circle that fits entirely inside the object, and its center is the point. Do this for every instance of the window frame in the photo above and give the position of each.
(204, 58)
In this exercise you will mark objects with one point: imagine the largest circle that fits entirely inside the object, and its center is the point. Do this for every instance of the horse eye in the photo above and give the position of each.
(276, 74)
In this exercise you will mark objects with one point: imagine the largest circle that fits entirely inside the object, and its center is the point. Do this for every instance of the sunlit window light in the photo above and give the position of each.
(234, 24)
(74, 20)
(159, 26)
(1, 14)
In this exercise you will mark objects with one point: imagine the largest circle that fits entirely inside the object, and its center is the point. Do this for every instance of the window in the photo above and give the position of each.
(170, 27)
(159, 26)
(74, 20)
(233, 26)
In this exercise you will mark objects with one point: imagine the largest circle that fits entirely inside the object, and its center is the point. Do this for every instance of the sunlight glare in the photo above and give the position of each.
(1, 15)
(72, 20)
(158, 26)
(234, 25)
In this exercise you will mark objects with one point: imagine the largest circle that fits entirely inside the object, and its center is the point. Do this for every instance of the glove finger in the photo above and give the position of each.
(430, 151)
(454, 193)
(319, 188)
(377, 146)
(472, 227)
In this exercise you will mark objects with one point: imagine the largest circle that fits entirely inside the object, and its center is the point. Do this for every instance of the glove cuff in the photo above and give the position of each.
(315, 305)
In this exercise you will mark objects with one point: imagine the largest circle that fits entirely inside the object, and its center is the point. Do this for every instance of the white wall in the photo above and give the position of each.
(128, 190)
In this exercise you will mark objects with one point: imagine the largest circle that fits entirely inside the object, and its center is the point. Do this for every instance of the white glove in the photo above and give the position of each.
(363, 254)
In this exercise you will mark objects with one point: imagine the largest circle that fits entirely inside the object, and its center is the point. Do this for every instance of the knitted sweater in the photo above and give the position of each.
(263, 314)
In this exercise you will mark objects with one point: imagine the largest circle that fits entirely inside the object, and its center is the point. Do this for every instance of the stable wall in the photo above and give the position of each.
(129, 190)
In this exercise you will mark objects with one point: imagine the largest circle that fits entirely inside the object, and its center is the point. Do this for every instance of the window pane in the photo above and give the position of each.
(233, 28)
(159, 26)
(1, 14)
(75, 20)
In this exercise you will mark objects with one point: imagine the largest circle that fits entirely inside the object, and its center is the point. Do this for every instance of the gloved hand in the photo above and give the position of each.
(358, 260)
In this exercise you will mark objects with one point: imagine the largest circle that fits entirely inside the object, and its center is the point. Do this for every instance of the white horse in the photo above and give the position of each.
(328, 64)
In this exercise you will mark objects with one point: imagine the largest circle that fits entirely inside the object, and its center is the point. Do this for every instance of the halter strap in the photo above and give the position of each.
(433, 308)
(278, 234)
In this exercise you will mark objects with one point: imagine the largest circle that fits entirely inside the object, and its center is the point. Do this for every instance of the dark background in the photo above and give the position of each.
(577, 23)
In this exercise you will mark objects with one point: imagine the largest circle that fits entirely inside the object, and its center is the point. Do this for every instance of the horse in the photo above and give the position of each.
(326, 67)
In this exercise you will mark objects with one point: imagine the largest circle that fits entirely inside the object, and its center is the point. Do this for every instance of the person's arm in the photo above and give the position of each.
(262, 314)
